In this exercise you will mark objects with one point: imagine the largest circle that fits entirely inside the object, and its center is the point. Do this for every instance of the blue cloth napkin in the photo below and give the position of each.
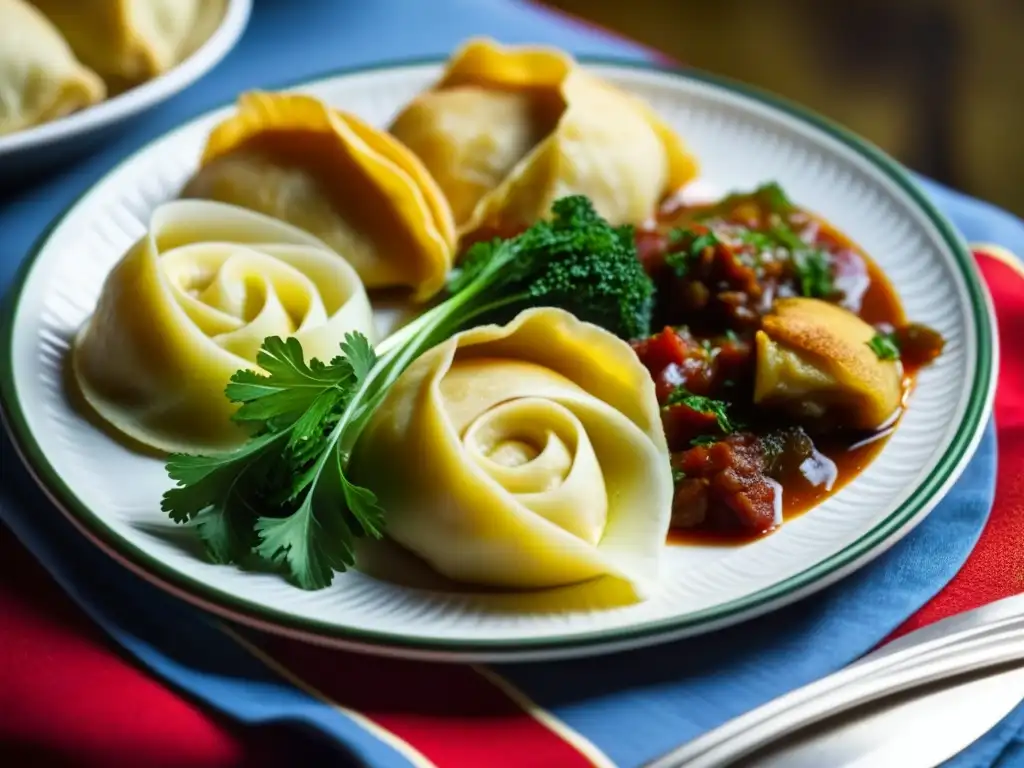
(632, 706)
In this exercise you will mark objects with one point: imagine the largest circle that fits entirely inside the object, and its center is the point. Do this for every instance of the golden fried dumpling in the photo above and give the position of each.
(40, 79)
(528, 455)
(131, 41)
(506, 131)
(191, 303)
(354, 187)
(813, 360)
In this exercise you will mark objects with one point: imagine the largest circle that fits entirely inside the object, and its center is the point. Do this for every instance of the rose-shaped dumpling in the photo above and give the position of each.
(525, 455)
(814, 361)
(508, 130)
(40, 79)
(354, 187)
(191, 303)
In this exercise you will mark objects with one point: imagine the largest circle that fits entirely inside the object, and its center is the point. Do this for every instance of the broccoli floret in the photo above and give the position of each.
(577, 262)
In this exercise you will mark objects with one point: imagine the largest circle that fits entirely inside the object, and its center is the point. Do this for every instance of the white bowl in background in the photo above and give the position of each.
(39, 147)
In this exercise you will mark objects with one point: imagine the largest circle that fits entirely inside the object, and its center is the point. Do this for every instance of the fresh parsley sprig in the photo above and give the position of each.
(717, 408)
(885, 346)
(811, 266)
(704, 441)
(688, 247)
(276, 496)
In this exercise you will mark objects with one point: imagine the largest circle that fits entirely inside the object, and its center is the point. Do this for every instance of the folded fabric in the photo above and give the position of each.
(617, 710)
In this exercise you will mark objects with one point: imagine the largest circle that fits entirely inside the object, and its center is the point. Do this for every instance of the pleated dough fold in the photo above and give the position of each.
(506, 131)
(527, 455)
(356, 188)
(191, 303)
(130, 41)
(40, 78)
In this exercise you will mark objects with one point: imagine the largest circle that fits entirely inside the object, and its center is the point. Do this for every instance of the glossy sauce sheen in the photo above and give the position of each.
(842, 459)
(799, 495)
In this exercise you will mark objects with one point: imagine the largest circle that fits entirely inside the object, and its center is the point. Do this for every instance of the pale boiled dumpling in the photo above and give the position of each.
(506, 131)
(131, 41)
(813, 360)
(526, 455)
(40, 79)
(191, 303)
(354, 187)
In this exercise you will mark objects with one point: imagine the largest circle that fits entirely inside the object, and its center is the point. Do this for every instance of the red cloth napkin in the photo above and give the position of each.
(69, 697)
(993, 570)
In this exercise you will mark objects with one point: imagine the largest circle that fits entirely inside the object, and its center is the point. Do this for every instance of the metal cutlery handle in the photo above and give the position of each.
(990, 636)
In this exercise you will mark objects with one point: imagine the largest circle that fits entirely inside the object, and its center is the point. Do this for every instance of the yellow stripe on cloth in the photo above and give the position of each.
(408, 751)
(1001, 254)
(579, 742)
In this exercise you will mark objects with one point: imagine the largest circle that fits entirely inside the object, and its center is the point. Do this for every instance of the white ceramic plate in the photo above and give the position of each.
(44, 145)
(742, 139)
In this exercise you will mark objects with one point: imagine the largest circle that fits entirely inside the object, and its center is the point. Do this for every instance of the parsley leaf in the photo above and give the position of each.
(317, 539)
(358, 354)
(678, 475)
(703, 441)
(693, 244)
(769, 196)
(760, 240)
(209, 482)
(227, 535)
(717, 408)
(211, 492)
(775, 197)
(885, 346)
(783, 235)
(811, 265)
(290, 386)
(814, 273)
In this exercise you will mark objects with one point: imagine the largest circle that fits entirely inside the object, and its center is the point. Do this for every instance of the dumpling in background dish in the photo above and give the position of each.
(354, 187)
(191, 303)
(40, 79)
(813, 360)
(506, 131)
(526, 455)
(130, 41)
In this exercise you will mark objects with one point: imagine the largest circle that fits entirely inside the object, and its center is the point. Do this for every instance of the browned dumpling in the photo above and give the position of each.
(355, 187)
(814, 361)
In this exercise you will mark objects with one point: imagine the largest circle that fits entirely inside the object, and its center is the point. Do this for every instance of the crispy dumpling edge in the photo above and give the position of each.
(795, 324)
(423, 208)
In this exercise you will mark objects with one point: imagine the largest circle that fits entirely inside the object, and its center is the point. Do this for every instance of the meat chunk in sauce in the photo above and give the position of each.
(676, 358)
(707, 283)
(722, 487)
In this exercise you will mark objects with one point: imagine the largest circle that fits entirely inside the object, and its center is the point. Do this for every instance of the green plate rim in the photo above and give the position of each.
(948, 468)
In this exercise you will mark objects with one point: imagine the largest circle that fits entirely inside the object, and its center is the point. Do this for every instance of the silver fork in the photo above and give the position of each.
(976, 640)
